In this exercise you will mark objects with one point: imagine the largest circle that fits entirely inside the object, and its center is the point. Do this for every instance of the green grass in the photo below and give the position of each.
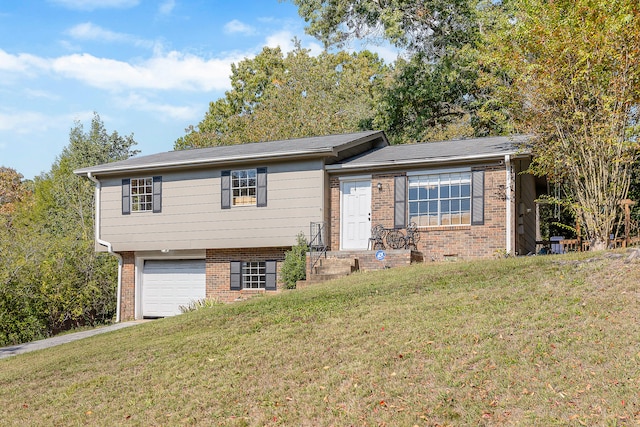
(530, 341)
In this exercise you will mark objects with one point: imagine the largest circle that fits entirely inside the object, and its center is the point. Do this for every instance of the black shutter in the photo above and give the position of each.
(262, 187)
(157, 194)
(270, 270)
(477, 197)
(126, 196)
(225, 189)
(400, 202)
(235, 268)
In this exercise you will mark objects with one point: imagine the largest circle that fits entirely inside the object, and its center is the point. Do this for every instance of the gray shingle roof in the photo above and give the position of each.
(319, 146)
(464, 150)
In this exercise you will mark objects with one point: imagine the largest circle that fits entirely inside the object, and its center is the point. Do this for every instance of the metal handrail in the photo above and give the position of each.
(317, 242)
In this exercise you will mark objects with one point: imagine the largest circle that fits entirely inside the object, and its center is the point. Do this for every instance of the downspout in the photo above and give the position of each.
(105, 243)
(507, 163)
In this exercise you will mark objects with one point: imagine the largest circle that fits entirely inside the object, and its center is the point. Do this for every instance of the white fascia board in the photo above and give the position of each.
(205, 162)
(412, 162)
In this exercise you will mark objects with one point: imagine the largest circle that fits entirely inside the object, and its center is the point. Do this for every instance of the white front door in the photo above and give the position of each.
(355, 218)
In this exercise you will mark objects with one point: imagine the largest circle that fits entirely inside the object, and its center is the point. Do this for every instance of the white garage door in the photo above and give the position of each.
(167, 285)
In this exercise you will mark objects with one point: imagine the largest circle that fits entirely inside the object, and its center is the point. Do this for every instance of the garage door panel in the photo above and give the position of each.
(167, 285)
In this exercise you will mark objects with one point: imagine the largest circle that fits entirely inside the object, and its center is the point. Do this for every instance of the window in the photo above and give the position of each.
(141, 194)
(243, 187)
(253, 275)
(440, 199)
(246, 187)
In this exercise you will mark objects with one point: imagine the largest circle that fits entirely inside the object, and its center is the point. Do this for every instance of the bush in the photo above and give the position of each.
(199, 304)
(294, 267)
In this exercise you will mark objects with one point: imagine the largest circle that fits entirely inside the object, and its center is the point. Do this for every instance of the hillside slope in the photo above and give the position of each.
(530, 341)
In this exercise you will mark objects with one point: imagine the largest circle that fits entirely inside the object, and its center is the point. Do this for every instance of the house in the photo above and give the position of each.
(216, 222)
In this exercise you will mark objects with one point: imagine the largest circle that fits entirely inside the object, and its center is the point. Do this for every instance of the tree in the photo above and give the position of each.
(425, 101)
(51, 278)
(440, 91)
(429, 26)
(12, 190)
(274, 96)
(578, 89)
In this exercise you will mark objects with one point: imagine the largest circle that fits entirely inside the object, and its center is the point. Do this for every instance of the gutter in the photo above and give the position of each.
(391, 163)
(168, 165)
(105, 243)
(507, 162)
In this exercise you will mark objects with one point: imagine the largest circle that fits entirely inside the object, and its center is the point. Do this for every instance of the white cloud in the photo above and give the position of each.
(170, 71)
(96, 4)
(41, 94)
(164, 111)
(237, 27)
(173, 71)
(22, 62)
(90, 31)
(167, 7)
(23, 122)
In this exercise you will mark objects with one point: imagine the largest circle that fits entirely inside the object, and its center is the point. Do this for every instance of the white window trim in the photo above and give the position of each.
(262, 266)
(131, 195)
(255, 187)
(439, 172)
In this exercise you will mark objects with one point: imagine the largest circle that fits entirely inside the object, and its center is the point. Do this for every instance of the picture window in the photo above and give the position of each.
(440, 199)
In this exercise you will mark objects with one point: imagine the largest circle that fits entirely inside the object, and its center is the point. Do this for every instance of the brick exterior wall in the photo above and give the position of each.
(218, 270)
(438, 243)
(217, 275)
(334, 209)
(128, 287)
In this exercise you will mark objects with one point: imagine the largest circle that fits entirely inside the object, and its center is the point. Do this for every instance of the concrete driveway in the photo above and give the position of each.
(62, 339)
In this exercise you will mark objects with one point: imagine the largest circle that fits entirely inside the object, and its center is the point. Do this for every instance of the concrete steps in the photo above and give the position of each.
(329, 269)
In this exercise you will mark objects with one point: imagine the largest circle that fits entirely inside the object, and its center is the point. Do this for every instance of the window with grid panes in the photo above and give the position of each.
(243, 187)
(440, 199)
(254, 275)
(141, 194)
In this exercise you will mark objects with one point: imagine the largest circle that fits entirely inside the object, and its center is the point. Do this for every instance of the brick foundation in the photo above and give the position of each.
(217, 275)
(218, 272)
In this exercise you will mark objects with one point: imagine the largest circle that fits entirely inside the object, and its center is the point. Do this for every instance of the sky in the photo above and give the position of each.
(148, 68)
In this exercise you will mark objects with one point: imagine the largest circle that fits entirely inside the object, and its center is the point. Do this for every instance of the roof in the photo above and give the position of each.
(454, 151)
(332, 147)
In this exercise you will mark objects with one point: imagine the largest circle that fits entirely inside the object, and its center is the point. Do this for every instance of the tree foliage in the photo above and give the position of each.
(276, 96)
(433, 27)
(51, 278)
(443, 89)
(578, 88)
(12, 190)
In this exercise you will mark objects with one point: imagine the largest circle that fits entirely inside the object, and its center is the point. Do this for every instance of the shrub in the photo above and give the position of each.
(198, 304)
(294, 267)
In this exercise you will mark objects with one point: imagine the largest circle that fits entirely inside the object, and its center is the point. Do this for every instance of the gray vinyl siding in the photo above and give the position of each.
(192, 217)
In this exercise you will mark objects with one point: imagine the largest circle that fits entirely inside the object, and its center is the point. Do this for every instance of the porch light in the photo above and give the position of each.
(165, 251)
(379, 186)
